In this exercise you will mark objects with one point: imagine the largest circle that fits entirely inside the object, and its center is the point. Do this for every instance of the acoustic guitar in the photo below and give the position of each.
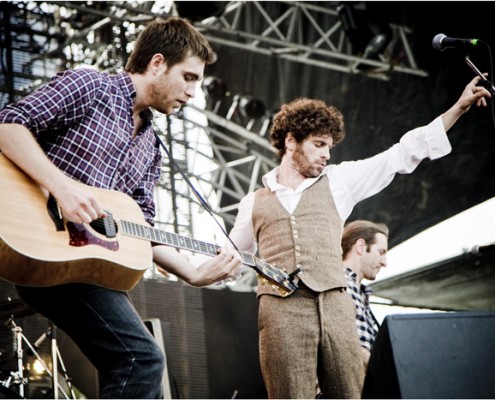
(39, 248)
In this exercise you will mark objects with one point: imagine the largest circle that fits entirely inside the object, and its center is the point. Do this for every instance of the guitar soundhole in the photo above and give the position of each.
(80, 235)
(105, 226)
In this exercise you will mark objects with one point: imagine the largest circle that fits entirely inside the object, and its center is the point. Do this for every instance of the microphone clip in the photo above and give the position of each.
(484, 81)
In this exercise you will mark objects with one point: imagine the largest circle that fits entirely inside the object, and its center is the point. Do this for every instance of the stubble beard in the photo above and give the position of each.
(303, 164)
(158, 94)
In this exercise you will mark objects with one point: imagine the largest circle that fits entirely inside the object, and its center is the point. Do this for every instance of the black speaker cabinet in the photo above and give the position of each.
(435, 355)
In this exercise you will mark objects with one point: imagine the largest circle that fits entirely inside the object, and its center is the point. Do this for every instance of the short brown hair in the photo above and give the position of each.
(361, 229)
(304, 117)
(175, 38)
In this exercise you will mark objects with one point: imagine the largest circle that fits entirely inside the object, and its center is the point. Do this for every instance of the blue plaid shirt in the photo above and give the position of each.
(83, 120)
(366, 325)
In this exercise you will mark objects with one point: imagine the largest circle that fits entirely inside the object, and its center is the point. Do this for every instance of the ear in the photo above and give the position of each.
(360, 246)
(290, 142)
(156, 62)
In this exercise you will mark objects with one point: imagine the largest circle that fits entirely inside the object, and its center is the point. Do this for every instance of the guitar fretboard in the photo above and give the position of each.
(174, 240)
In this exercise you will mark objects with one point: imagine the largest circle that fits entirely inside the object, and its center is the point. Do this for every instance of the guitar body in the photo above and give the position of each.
(34, 253)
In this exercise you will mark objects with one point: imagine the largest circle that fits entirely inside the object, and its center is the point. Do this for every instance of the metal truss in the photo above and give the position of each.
(306, 32)
(224, 156)
(236, 158)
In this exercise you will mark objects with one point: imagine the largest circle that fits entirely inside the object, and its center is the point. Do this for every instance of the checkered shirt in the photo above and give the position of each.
(366, 326)
(83, 120)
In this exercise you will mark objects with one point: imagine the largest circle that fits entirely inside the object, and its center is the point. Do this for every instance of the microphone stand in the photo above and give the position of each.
(32, 350)
(484, 81)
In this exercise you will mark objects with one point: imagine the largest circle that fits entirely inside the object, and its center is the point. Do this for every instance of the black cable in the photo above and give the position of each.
(200, 198)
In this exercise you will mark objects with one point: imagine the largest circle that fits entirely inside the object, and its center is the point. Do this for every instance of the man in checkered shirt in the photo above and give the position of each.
(364, 246)
(95, 128)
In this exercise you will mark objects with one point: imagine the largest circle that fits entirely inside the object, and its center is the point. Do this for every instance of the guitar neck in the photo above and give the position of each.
(171, 239)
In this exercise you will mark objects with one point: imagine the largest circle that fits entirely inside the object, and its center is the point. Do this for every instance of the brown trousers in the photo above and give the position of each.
(306, 336)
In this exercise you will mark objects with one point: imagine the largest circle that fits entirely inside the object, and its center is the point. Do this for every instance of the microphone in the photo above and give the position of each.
(479, 250)
(441, 42)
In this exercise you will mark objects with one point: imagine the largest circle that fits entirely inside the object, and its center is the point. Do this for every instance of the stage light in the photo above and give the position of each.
(200, 10)
(38, 368)
(214, 88)
(367, 32)
(250, 107)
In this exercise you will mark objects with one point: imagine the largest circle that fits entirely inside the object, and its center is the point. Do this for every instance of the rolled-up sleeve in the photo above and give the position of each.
(428, 141)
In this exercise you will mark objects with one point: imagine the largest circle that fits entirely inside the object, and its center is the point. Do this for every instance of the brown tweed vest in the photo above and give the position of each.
(309, 238)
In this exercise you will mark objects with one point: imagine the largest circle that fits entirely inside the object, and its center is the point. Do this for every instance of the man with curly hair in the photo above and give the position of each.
(296, 221)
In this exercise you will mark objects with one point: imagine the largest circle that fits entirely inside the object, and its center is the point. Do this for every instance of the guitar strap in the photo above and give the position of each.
(200, 198)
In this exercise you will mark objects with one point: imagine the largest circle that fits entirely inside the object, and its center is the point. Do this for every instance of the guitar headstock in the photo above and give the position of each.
(276, 276)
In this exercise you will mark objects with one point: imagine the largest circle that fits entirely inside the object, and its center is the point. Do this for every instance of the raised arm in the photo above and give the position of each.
(472, 94)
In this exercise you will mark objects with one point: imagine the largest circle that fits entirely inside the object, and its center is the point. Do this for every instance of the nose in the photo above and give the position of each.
(383, 261)
(191, 90)
(326, 153)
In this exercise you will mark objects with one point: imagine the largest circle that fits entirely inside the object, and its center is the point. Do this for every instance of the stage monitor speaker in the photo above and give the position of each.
(436, 355)
(83, 374)
(161, 332)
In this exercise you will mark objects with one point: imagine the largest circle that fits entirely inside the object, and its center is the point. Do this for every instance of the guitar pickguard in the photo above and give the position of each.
(80, 236)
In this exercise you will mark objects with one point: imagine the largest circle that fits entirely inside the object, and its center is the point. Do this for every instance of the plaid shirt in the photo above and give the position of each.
(83, 121)
(366, 326)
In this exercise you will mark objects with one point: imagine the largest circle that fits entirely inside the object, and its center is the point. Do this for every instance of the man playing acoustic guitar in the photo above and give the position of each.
(91, 128)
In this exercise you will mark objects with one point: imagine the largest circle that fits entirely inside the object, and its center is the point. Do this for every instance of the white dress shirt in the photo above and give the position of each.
(350, 181)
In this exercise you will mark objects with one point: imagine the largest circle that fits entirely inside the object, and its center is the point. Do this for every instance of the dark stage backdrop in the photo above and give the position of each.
(378, 112)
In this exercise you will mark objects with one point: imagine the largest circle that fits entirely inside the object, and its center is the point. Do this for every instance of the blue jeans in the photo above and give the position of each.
(109, 331)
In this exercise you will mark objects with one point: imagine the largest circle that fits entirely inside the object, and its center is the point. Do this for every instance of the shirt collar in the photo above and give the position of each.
(350, 272)
(127, 86)
(270, 180)
(353, 275)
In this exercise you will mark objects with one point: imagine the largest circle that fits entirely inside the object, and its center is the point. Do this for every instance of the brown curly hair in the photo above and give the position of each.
(304, 117)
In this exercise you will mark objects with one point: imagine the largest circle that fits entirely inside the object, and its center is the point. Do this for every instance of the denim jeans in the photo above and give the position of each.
(109, 331)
